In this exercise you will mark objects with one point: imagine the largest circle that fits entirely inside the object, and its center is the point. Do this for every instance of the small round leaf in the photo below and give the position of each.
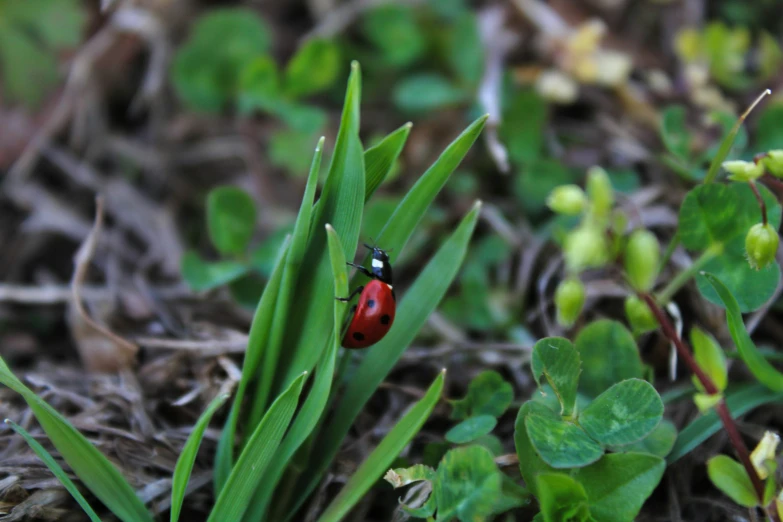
(561, 444)
(231, 218)
(471, 429)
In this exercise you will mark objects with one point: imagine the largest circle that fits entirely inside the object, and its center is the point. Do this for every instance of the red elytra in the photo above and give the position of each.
(373, 317)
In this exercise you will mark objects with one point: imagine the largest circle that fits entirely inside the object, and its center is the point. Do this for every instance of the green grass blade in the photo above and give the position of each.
(56, 470)
(257, 341)
(728, 141)
(378, 160)
(313, 407)
(406, 216)
(738, 402)
(248, 471)
(93, 469)
(758, 365)
(341, 205)
(414, 308)
(188, 456)
(378, 462)
(290, 277)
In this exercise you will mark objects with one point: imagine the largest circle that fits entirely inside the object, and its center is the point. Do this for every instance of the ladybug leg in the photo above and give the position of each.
(356, 290)
(363, 270)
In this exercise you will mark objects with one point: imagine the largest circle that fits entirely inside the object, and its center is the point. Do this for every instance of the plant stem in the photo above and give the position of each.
(772, 181)
(665, 295)
(762, 205)
(709, 386)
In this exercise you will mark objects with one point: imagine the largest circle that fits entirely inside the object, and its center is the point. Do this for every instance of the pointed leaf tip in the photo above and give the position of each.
(320, 144)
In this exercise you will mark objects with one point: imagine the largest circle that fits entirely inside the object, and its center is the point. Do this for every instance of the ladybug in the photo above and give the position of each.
(372, 317)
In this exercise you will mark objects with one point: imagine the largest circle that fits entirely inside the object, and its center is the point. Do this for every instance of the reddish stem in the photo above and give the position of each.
(723, 411)
(763, 205)
(772, 181)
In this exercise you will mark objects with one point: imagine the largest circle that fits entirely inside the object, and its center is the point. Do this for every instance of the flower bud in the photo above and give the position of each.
(567, 199)
(585, 247)
(639, 315)
(761, 245)
(773, 161)
(642, 255)
(705, 402)
(763, 456)
(569, 300)
(600, 190)
(743, 170)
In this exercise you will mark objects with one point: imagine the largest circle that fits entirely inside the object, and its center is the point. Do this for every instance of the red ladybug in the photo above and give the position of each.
(373, 315)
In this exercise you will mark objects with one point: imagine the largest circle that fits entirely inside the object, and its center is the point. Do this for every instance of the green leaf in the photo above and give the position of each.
(522, 128)
(286, 147)
(381, 458)
(467, 484)
(674, 132)
(530, 463)
(402, 477)
(472, 428)
(427, 92)
(769, 133)
(560, 443)
(757, 364)
(248, 471)
(562, 498)
(259, 85)
(625, 413)
(93, 469)
(379, 160)
(659, 442)
(738, 402)
(717, 214)
(206, 75)
(710, 357)
(56, 470)
(609, 355)
(488, 394)
(313, 68)
(730, 476)
(203, 275)
(465, 50)
(231, 219)
(752, 288)
(394, 31)
(558, 361)
(725, 148)
(412, 312)
(619, 483)
(188, 456)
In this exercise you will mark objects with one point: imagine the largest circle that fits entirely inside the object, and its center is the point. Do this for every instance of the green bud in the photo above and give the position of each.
(567, 199)
(569, 300)
(600, 191)
(743, 170)
(639, 315)
(585, 247)
(761, 245)
(706, 402)
(710, 357)
(642, 255)
(773, 161)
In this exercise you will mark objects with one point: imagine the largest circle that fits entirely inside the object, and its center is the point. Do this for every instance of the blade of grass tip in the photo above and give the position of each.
(293, 265)
(758, 365)
(341, 204)
(414, 309)
(313, 406)
(56, 470)
(728, 141)
(379, 160)
(378, 462)
(257, 341)
(702, 428)
(249, 469)
(188, 456)
(90, 465)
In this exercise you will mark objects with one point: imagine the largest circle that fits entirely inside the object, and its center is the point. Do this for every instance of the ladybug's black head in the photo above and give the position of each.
(381, 267)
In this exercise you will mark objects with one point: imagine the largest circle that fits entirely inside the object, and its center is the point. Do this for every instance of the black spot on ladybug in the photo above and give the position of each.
(371, 303)
(359, 336)
(385, 319)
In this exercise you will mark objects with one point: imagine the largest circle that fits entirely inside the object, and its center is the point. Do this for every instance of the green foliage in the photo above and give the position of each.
(710, 358)
(562, 498)
(561, 443)
(609, 355)
(313, 68)
(769, 132)
(427, 92)
(558, 361)
(471, 429)
(717, 217)
(659, 442)
(730, 476)
(522, 130)
(231, 218)
(393, 29)
(32, 33)
(488, 394)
